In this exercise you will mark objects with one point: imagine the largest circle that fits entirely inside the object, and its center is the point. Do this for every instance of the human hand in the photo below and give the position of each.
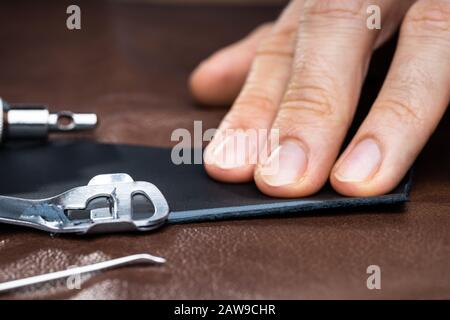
(302, 76)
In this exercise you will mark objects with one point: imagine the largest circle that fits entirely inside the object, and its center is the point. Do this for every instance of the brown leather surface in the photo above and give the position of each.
(130, 63)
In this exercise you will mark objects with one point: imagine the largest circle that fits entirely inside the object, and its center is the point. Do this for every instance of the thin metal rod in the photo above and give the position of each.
(133, 259)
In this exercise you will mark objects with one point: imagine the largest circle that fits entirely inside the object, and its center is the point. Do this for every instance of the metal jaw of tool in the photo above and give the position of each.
(104, 205)
(36, 122)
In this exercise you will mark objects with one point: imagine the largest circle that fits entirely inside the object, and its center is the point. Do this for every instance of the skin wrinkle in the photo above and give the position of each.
(331, 59)
(317, 73)
(335, 9)
(404, 102)
(320, 255)
(252, 103)
(274, 49)
(309, 117)
(254, 86)
(424, 25)
(309, 68)
(313, 29)
(254, 83)
(409, 88)
(400, 109)
(312, 98)
(428, 16)
(315, 90)
(291, 127)
(274, 53)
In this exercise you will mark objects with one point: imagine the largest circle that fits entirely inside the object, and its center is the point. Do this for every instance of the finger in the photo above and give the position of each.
(256, 104)
(411, 103)
(218, 80)
(333, 51)
(391, 20)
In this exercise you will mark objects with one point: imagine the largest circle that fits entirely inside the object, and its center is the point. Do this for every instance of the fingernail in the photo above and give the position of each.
(361, 163)
(286, 164)
(232, 152)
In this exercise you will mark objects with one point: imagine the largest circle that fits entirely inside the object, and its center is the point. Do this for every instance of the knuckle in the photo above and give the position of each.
(280, 43)
(255, 102)
(336, 9)
(251, 109)
(401, 110)
(428, 16)
(312, 106)
(311, 99)
(297, 125)
(406, 97)
(312, 92)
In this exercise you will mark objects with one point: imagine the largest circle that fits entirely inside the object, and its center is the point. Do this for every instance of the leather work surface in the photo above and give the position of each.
(130, 64)
(191, 194)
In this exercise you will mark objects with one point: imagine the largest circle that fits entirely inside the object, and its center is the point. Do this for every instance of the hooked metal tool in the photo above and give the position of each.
(133, 259)
(109, 203)
(19, 122)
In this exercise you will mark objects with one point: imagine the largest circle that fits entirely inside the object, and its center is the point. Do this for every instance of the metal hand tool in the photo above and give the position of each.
(109, 203)
(133, 259)
(36, 122)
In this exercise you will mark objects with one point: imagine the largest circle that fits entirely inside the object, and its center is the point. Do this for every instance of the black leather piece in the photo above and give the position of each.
(37, 171)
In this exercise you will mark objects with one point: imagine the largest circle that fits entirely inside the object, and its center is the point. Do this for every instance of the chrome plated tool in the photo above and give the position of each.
(109, 203)
(36, 122)
(133, 259)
